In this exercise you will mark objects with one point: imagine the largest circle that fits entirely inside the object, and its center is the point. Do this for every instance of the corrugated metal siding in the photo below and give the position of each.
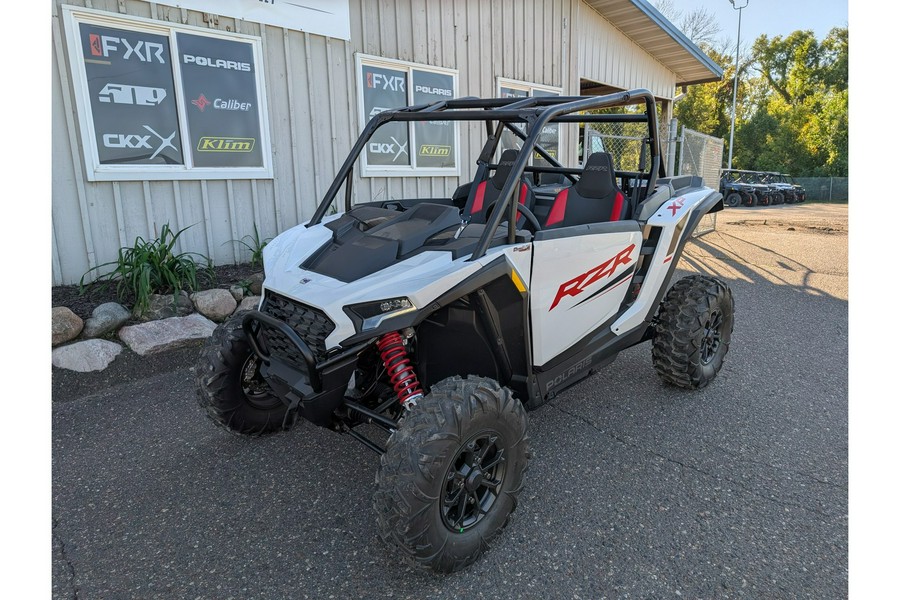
(606, 55)
(311, 97)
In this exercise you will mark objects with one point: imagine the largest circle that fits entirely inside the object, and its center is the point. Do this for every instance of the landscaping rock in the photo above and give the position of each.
(106, 318)
(248, 303)
(89, 355)
(66, 325)
(256, 282)
(166, 334)
(237, 292)
(163, 306)
(214, 304)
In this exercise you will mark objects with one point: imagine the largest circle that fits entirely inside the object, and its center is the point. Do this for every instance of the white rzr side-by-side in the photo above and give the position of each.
(440, 321)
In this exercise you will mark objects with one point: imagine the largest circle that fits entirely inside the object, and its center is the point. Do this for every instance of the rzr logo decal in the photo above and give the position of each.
(575, 286)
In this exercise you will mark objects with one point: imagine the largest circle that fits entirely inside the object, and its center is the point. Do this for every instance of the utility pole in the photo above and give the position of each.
(737, 54)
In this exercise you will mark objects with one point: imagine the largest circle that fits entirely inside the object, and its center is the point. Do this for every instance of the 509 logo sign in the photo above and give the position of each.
(135, 141)
(225, 144)
(119, 93)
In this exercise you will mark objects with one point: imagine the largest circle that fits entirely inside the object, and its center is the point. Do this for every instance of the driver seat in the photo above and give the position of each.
(488, 191)
(594, 199)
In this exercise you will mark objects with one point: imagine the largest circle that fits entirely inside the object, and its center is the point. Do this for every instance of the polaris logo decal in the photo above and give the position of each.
(434, 90)
(565, 375)
(216, 63)
(135, 141)
(119, 93)
(397, 149)
(575, 286)
(395, 83)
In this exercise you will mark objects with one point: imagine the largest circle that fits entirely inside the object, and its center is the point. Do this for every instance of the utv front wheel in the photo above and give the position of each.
(733, 199)
(693, 331)
(451, 474)
(231, 389)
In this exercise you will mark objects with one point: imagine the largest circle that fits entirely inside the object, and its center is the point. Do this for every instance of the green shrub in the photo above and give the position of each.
(150, 267)
(254, 245)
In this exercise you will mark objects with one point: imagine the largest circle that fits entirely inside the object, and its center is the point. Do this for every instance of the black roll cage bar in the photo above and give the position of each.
(534, 112)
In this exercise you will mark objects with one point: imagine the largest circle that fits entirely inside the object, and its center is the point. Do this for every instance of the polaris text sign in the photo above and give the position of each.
(132, 96)
(221, 101)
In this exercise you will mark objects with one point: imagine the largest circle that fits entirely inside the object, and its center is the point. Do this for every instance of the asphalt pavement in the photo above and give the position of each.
(635, 490)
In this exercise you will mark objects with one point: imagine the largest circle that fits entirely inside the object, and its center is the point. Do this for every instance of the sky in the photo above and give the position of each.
(773, 17)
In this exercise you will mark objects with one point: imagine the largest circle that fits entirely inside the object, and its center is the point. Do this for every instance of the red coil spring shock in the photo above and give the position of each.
(399, 369)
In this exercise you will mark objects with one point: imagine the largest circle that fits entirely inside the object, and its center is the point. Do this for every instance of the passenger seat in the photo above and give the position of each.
(594, 199)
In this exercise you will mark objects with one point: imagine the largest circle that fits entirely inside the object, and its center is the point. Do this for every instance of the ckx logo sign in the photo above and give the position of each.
(397, 149)
(394, 83)
(108, 45)
(133, 141)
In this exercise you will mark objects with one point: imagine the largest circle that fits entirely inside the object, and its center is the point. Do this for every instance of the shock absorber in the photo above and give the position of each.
(399, 368)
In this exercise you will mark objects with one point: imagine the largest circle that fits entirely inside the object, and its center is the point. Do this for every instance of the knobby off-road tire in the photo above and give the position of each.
(230, 388)
(693, 331)
(754, 200)
(468, 438)
(733, 199)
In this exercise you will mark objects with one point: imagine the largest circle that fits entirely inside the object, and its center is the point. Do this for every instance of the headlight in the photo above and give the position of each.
(373, 313)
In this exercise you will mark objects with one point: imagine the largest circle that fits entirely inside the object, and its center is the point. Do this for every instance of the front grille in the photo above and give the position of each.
(311, 324)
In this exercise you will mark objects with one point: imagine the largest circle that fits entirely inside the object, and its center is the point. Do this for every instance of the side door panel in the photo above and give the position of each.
(579, 279)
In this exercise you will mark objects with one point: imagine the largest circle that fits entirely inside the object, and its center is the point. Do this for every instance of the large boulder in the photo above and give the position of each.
(89, 355)
(66, 325)
(165, 334)
(256, 282)
(214, 304)
(106, 318)
(163, 306)
(248, 303)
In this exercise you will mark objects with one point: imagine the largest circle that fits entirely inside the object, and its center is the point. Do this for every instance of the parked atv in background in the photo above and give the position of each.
(736, 192)
(425, 328)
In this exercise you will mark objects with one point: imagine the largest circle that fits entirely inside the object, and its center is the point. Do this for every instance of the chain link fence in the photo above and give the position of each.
(825, 189)
(696, 153)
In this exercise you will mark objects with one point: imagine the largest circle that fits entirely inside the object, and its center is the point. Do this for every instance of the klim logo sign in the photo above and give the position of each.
(225, 144)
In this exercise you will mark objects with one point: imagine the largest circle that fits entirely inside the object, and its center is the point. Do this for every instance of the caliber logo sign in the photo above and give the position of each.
(225, 144)
(136, 141)
(604, 270)
(108, 45)
(220, 104)
(138, 95)
(434, 150)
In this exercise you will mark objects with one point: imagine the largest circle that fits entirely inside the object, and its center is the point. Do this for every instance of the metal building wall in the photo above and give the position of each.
(606, 55)
(313, 116)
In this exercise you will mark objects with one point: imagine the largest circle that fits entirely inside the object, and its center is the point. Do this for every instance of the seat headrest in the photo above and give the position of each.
(598, 179)
(505, 166)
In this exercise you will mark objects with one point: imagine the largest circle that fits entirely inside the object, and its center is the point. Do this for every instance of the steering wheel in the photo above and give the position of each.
(526, 212)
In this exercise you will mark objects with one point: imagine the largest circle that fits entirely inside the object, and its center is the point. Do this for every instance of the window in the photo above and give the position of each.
(403, 149)
(549, 137)
(161, 101)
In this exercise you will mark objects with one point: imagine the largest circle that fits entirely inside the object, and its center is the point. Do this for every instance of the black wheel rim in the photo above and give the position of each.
(712, 337)
(473, 482)
(255, 388)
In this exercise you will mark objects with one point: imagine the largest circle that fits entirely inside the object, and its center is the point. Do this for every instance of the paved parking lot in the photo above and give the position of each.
(636, 489)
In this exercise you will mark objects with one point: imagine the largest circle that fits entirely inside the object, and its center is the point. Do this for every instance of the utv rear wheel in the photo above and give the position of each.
(231, 389)
(733, 199)
(451, 474)
(693, 331)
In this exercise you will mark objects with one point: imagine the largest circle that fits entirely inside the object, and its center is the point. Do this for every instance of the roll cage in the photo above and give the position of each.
(509, 114)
